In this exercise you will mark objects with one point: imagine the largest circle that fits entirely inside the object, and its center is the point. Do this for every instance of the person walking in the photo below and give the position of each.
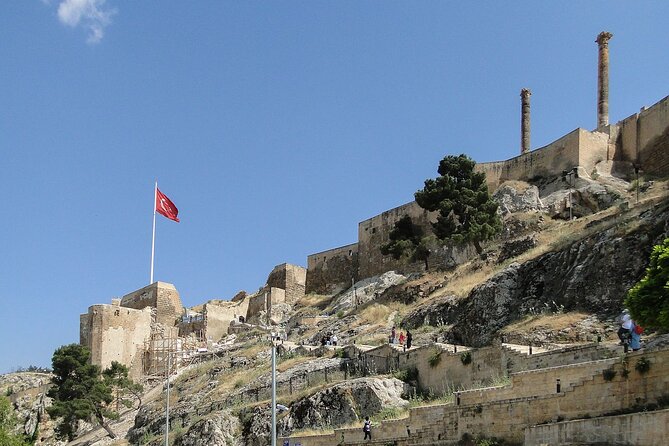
(635, 336)
(625, 330)
(409, 338)
(392, 338)
(367, 429)
(402, 338)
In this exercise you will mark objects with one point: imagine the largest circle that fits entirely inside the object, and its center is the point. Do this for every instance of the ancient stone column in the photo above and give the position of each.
(603, 79)
(525, 120)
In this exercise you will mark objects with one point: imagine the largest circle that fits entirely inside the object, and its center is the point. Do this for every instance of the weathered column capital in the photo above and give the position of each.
(525, 92)
(603, 38)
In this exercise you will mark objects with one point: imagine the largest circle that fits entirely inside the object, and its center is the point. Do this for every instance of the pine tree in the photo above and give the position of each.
(407, 240)
(79, 392)
(467, 213)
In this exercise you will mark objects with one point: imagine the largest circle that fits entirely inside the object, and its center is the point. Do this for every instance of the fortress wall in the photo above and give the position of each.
(114, 333)
(626, 144)
(653, 129)
(160, 295)
(219, 314)
(330, 270)
(291, 278)
(450, 373)
(375, 231)
(548, 161)
(650, 428)
(571, 355)
(507, 416)
(592, 149)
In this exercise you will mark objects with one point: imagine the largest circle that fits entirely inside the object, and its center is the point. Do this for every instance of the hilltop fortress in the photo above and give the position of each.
(148, 328)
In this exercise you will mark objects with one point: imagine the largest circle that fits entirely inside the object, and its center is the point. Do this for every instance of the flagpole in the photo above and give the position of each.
(153, 238)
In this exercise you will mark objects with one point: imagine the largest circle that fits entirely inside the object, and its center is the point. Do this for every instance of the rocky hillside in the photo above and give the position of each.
(546, 280)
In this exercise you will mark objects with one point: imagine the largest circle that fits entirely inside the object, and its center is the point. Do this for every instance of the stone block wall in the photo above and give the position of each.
(115, 333)
(374, 232)
(546, 162)
(291, 278)
(516, 361)
(495, 414)
(162, 296)
(653, 138)
(644, 428)
(332, 270)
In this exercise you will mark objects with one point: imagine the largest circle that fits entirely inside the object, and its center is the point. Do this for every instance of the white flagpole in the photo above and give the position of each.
(153, 239)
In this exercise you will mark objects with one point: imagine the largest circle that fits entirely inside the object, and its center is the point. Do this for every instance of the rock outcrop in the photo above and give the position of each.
(217, 429)
(514, 198)
(592, 275)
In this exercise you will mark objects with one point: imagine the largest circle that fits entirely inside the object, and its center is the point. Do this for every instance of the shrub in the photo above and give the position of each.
(435, 358)
(466, 358)
(407, 375)
(609, 374)
(642, 365)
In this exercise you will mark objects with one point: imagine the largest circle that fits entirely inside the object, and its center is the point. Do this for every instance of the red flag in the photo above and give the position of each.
(165, 207)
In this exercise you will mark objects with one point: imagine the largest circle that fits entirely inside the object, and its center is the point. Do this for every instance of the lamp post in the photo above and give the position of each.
(568, 175)
(273, 391)
(638, 186)
(167, 403)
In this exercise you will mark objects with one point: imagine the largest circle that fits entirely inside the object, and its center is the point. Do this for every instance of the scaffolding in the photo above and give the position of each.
(163, 348)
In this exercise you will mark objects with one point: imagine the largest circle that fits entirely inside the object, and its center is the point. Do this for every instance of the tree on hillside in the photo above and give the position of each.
(467, 213)
(7, 425)
(648, 300)
(79, 391)
(407, 240)
(124, 390)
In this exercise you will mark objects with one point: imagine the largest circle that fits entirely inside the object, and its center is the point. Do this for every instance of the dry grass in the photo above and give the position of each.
(374, 314)
(292, 362)
(309, 432)
(313, 301)
(552, 322)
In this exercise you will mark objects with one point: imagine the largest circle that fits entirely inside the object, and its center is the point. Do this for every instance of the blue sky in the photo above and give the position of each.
(274, 126)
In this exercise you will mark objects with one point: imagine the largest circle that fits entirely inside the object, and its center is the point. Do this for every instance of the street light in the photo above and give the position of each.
(573, 173)
(273, 389)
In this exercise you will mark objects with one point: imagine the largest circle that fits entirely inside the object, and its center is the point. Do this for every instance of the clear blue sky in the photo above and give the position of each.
(274, 127)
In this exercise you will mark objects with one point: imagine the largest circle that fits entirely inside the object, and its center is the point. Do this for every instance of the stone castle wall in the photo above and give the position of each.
(162, 296)
(641, 139)
(291, 278)
(115, 333)
(498, 412)
(332, 270)
(375, 231)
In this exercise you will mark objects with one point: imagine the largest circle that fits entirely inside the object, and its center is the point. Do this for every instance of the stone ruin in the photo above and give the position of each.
(149, 330)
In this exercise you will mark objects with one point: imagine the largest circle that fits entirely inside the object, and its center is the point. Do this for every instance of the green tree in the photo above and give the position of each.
(79, 392)
(124, 390)
(648, 300)
(407, 240)
(7, 425)
(467, 213)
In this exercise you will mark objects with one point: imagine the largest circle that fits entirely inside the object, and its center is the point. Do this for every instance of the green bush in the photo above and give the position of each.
(435, 358)
(642, 365)
(466, 358)
(609, 374)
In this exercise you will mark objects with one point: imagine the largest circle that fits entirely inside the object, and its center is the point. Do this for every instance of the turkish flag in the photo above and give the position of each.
(165, 207)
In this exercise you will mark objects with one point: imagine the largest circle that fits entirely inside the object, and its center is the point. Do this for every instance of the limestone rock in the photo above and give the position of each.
(218, 429)
(514, 248)
(345, 403)
(366, 290)
(592, 274)
(337, 405)
(517, 197)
